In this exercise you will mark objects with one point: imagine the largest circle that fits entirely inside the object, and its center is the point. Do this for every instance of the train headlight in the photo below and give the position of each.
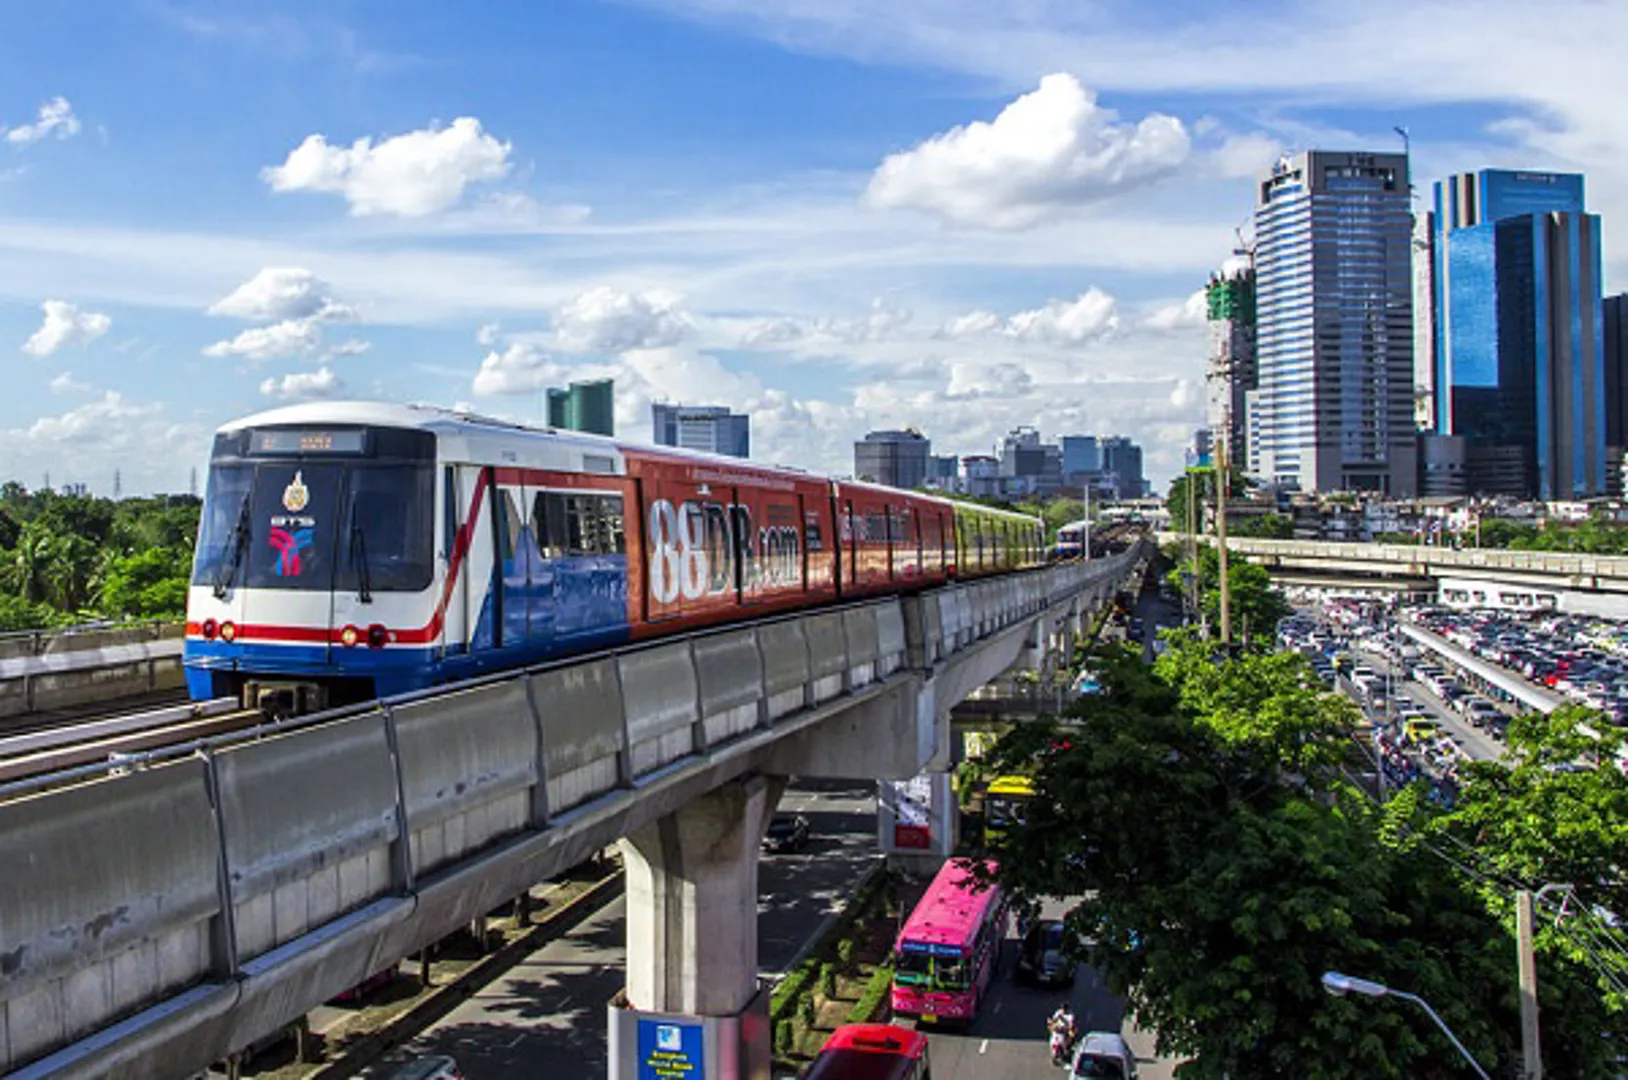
(377, 636)
(210, 629)
(349, 636)
(228, 632)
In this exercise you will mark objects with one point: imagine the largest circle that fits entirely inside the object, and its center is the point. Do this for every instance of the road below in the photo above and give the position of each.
(1008, 1040)
(546, 1016)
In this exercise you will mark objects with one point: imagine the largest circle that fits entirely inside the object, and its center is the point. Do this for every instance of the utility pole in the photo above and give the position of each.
(1526, 962)
(1221, 538)
(1192, 541)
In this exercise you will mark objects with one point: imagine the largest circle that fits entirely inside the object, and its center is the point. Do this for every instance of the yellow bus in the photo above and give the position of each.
(1006, 806)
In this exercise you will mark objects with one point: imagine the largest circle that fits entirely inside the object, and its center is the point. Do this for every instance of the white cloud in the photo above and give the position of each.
(90, 420)
(411, 175)
(350, 347)
(1185, 395)
(1189, 312)
(65, 325)
(67, 384)
(520, 368)
(608, 320)
(292, 337)
(1244, 156)
(1091, 316)
(302, 385)
(1052, 149)
(56, 118)
(488, 334)
(279, 293)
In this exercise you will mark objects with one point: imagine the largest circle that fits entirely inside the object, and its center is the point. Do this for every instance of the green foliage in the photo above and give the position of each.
(845, 954)
(66, 558)
(1255, 605)
(785, 1038)
(1199, 808)
(18, 614)
(787, 991)
(805, 1010)
(1204, 495)
(149, 584)
(1596, 536)
(827, 985)
(1262, 526)
(876, 992)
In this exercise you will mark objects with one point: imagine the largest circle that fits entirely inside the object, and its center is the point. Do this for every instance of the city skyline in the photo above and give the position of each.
(414, 213)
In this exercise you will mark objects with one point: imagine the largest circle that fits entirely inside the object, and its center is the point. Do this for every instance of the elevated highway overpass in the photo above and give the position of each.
(1585, 584)
(157, 918)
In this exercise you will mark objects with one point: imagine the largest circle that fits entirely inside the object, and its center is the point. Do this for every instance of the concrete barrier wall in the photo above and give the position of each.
(579, 710)
(659, 695)
(339, 845)
(786, 671)
(729, 673)
(31, 682)
(42, 642)
(309, 818)
(107, 893)
(469, 767)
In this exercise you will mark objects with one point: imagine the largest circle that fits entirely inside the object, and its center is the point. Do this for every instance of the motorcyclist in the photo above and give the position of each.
(1063, 1033)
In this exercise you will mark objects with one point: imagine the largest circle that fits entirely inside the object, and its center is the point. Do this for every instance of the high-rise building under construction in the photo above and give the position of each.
(1233, 373)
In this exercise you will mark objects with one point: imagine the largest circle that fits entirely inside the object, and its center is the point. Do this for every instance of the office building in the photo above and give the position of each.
(1029, 466)
(1081, 460)
(1519, 329)
(1616, 389)
(1233, 373)
(895, 458)
(981, 475)
(1334, 324)
(1201, 450)
(1123, 459)
(584, 406)
(712, 429)
(943, 471)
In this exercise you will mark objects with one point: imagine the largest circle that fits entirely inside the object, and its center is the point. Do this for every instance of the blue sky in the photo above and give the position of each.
(775, 205)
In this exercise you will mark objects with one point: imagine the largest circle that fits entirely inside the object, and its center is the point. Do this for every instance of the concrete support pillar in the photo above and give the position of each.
(692, 902)
(694, 1007)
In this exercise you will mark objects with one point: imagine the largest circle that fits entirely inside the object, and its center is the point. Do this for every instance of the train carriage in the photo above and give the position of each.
(349, 550)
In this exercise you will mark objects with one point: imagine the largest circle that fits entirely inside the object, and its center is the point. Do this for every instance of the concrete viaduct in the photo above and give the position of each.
(159, 918)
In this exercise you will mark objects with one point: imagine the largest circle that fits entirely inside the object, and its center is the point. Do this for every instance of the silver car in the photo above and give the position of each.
(1103, 1055)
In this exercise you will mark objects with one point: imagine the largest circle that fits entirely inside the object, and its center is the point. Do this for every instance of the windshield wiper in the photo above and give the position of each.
(358, 555)
(236, 541)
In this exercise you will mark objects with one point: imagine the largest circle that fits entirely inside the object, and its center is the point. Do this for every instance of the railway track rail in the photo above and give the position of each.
(49, 750)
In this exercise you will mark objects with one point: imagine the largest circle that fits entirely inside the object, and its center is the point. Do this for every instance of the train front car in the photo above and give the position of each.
(314, 580)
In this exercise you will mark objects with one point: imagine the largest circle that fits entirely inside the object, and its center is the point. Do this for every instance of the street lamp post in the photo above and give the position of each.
(1340, 985)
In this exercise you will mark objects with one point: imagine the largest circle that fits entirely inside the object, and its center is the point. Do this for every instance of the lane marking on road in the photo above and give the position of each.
(998, 1005)
(983, 1046)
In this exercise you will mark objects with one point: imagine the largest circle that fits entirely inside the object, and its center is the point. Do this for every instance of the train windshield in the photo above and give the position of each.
(317, 525)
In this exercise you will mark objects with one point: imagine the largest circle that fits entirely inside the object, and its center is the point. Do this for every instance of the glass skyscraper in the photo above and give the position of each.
(1334, 324)
(584, 406)
(1520, 337)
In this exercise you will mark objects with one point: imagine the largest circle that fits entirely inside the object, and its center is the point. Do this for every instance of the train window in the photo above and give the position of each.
(812, 540)
(612, 525)
(508, 535)
(449, 517)
(388, 532)
(548, 523)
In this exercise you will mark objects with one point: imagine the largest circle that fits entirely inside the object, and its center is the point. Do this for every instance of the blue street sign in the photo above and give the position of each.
(670, 1050)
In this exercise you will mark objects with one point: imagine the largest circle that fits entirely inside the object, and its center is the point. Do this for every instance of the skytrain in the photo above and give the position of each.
(349, 551)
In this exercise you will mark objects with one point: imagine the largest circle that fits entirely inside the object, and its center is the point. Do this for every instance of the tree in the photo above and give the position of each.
(1262, 526)
(1255, 605)
(1176, 501)
(1198, 808)
(33, 560)
(149, 584)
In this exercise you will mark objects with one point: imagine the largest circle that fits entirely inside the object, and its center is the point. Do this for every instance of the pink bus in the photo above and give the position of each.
(949, 948)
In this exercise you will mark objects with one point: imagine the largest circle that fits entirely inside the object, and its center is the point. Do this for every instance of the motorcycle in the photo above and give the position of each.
(1062, 1041)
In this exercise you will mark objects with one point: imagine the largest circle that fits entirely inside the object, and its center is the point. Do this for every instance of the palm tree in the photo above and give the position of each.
(33, 561)
(75, 566)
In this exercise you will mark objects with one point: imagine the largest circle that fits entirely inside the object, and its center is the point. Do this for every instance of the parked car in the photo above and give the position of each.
(1103, 1055)
(1041, 959)
(428, 1067)
(786, 832)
